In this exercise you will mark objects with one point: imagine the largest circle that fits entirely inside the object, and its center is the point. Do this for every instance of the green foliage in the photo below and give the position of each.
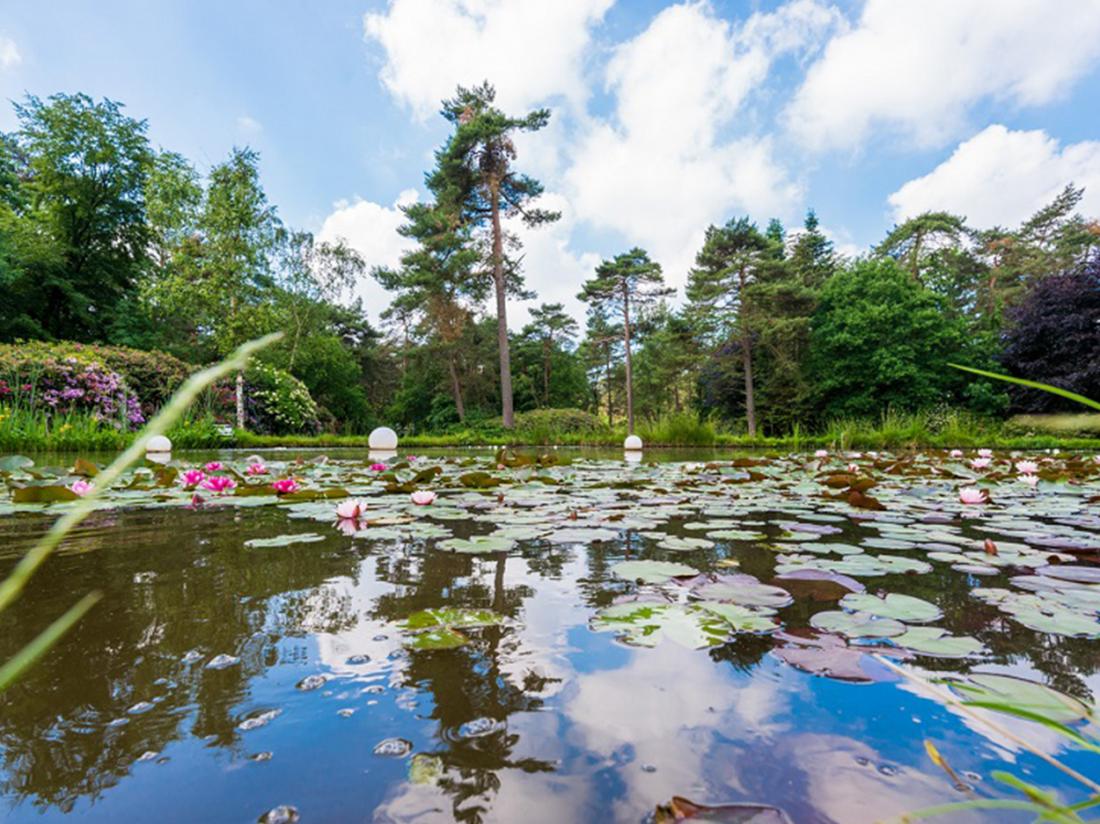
(880, 339)
(678, 429)
(279, 402)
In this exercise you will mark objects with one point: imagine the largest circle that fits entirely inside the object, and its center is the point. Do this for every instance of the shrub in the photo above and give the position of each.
(678, 429)
(277, 403)
(151, 377)
(1054, 338)
(554, 422)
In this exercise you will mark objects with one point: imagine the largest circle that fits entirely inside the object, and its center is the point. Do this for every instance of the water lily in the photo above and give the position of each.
(81, 487)
(346, 510)
(378, 467)
(1029, 479)
(822, 453)
(347, 526)
(192, 478)
(256, 469)
(284, 486)
(1027, 467)
(972, 495)
(422, 497)
(985, 453)
(213, 466)
(853, 468)
(980, 463)
(956, 453)
(219, 483)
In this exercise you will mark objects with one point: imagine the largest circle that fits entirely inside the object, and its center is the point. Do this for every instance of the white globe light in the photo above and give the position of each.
(632, 457)
(632, 443)
(158, 443)
(383, 438)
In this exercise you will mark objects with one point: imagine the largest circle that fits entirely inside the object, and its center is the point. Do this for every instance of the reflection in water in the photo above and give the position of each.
(539, 719)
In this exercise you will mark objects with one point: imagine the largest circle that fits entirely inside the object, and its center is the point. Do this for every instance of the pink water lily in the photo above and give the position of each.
(973, 496)
(347, 526)
(980, 463)
(81, 487)
(378, 467)
(422, 497)
(349, 509)
(985, 453)
(284, 486)
(853, 468)
(956, 453)
(822, 453)
(192, 478)
(1027, 467)
(213, 466)
(256, 469)
(1029, 479)
(219, 483)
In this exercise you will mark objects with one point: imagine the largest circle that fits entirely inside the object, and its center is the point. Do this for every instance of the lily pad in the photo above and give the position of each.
(857, 624)
(284, 540)
(894, 605)
(478, 544)
(652, 572)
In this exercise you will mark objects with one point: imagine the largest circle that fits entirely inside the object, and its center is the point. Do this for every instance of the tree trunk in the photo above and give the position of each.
(610, 408)
(240, 399)
(629, 367)
(502, 312)
(546, 352)
(750, 399)
(746, 359)
(456, 387)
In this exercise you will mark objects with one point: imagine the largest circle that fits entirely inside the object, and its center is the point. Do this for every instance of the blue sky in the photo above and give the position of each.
(666, 116)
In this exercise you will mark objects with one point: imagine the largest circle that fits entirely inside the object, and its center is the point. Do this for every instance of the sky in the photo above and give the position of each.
(666, 117)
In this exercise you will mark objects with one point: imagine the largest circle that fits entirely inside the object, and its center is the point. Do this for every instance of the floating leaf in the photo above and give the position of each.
(938, 643)
(894, 605)
(652, 572)
(478, 544)
(284, 540)
(857, 624)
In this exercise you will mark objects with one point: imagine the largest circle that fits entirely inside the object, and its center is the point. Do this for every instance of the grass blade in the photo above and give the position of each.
(13, 668)
(1045, 387)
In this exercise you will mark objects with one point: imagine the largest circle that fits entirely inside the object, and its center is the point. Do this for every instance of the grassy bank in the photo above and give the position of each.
(25, 432)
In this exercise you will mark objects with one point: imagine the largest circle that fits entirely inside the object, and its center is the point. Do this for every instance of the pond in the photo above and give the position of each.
(569, 637)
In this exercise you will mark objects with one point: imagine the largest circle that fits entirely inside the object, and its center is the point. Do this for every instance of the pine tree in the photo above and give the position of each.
(474, 179)
(629, 281)
(551, 326)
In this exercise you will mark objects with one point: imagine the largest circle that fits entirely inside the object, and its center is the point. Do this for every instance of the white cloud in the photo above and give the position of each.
(530, 49)
(662, 170)
(370, 229)
(1001, 177)
(917, 67)
(10, 56)
(249, 125)
(550, 266)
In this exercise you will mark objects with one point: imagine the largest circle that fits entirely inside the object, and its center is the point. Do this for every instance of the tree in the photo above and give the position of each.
(551, 327)
(882, 340)
(597, 351)
(475, 180)
(732, 258)
(629, 280)
(436, 282)
(78, 227)
(1054, 337)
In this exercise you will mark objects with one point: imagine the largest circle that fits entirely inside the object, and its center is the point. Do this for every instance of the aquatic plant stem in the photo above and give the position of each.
(950, 700)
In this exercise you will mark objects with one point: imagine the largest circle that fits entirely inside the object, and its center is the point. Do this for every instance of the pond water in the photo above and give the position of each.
(397, 667)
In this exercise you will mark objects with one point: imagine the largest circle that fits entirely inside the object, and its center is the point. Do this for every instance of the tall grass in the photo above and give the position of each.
(29, 430)
(678, 429)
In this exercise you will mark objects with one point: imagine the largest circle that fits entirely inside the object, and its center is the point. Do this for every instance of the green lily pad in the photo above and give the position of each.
(894, 605)
(695, 626)
(938, 643)
(284, 540)
(652, 572)
(857, 624)
(478, 544)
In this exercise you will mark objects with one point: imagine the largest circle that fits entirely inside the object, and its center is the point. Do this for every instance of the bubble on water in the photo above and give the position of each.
(972, 777)
(261, 756)
(260, 720)
(191, 656)
(312, 682)
(397, 655)
(167, 683)
(357, 660)
(373, 689)
(649, 768)
(862, 761)
(393, 748)
(164, 759)
(140, 707)
(380, 638)
(283, 814)
(148, 755)
(346, 712)
(118, 722)
(480, 727)
(144, 577)
(222, 661)
(888, 770)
